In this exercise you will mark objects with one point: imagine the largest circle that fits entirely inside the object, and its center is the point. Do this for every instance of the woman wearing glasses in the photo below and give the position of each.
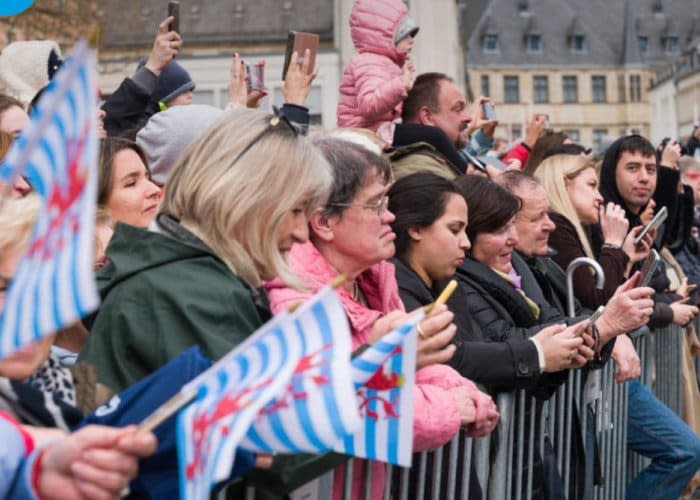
(352, 236)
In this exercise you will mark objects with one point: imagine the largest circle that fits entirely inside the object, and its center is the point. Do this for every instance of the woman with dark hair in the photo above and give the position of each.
(125, 187)
(496, 295)
(431, 241)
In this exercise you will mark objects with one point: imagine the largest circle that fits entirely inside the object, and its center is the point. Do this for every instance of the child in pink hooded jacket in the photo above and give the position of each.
(379, 76)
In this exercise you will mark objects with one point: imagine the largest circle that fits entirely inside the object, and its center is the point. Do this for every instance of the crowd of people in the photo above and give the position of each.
(211, 221)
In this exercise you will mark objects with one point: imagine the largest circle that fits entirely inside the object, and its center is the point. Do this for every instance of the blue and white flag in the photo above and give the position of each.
(384, 376)
(319, 405)
(229, 396)
(54, 285)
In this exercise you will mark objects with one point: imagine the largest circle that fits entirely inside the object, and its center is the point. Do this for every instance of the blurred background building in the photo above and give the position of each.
(588, 64)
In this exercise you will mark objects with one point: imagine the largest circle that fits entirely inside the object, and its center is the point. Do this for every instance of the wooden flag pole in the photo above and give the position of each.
(183, 398)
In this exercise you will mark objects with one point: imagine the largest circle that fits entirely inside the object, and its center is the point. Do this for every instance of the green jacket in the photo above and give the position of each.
(161, 295)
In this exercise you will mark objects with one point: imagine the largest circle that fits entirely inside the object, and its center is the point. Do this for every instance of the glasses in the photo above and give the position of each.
(380, 207)
(278, 119)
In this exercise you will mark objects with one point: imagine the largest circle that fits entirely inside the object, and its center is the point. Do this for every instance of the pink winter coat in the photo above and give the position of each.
(372, 90)
(436, 416)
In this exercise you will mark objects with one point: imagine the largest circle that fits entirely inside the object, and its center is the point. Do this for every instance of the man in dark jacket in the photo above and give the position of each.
(653, 429)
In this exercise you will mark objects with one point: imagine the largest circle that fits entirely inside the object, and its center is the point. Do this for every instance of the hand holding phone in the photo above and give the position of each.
(648, 267)
(299, 42)
(655, 223)
(587, 323)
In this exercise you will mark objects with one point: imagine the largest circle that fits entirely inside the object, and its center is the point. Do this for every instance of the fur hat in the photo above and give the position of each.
(173, 81)
(27, 67)
(408, 27)
(168, 133)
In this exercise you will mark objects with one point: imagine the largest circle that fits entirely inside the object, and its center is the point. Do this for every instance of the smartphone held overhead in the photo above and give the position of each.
(174, 11)
(299, 42)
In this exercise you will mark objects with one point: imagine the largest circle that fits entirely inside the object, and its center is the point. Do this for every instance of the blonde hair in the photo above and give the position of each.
(552, 173)
(234, 185)
(17, 220)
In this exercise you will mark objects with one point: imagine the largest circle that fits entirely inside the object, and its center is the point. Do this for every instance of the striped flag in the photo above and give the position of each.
(384, 376)
(318, 406)
(54, 285)
(229, 396)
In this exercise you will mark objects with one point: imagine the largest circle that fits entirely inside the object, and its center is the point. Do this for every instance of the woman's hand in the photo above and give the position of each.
(297, 85)
(671, 154)
(613, 224)
(559, 347)
(465, 405)
(434, 336)
(625, 356)
(487, 415)
(682, 290)
(238, 84)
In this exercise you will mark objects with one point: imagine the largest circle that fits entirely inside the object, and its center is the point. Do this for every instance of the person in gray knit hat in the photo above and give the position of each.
(168, 133)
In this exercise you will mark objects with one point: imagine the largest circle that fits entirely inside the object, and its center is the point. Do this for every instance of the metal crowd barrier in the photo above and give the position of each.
(505, 463)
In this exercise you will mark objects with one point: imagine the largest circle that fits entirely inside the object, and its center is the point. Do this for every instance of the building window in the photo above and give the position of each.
(540, 93)
(598, 89)
(574, 135)
(670, 44)
(533, 43)
(599, 135)
(570, 88)
(491, 45)
(511, 90)
(635, 88)
(485, 86)
(577, 44)
(643, 44)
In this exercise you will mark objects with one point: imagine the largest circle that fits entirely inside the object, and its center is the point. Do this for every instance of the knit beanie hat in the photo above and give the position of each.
(27, 67)
(168, 133)
(173, 81)
(408, 27)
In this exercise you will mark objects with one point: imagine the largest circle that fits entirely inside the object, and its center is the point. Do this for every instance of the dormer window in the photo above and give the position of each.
(658, 10)
(533, 43)
(490, 44)
(577, 44)
(524, 9)
(670, 44)
(643, 44)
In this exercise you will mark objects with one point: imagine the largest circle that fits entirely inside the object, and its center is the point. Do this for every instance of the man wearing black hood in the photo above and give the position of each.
(630, 176)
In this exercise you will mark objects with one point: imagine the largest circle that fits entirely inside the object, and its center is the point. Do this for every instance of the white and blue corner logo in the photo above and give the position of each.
(14, 7)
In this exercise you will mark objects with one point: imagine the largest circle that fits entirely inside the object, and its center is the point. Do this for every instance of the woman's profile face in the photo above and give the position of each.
(495, 249)
(439, 249)
(584, 195)
(294, 227)
(134, 198)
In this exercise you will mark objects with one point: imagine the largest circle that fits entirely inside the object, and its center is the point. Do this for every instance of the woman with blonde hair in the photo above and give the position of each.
(571, 183)
(236, 202)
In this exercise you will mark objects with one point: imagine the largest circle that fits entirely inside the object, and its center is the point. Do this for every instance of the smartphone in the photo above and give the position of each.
(256, 77)
(174, 10)
(587, 323)
(648, 267)
(489, 111)
(658, 219)
(298, 42)
(478, 164)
